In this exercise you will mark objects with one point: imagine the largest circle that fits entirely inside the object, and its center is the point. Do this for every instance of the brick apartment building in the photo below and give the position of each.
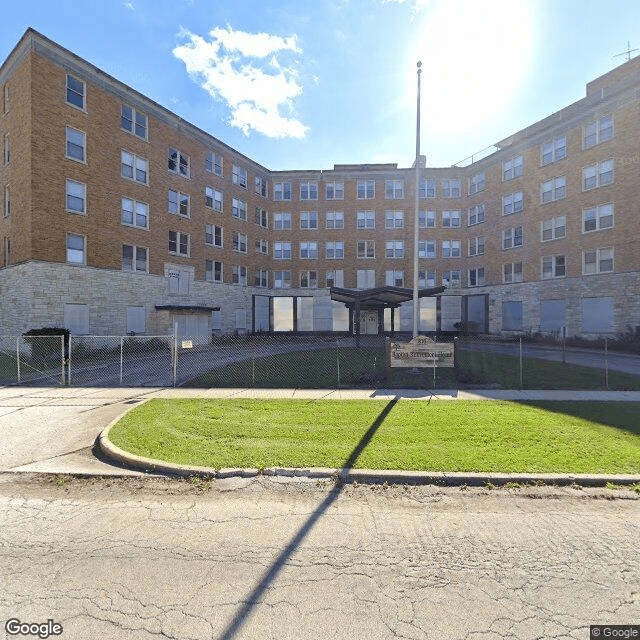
(119, 217)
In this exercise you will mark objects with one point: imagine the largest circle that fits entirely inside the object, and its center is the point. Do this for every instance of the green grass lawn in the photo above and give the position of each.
(482, 436)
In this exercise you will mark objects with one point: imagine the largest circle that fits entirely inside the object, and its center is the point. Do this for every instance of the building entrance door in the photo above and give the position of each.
(369, 322)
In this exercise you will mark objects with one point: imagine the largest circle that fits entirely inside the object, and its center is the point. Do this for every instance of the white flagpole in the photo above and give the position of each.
(416, 224)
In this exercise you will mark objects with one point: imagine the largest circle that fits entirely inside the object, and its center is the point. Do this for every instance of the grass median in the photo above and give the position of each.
(474, 436)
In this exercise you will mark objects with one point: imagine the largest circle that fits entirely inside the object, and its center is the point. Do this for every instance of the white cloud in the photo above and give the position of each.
(129, 5)
(245, 71)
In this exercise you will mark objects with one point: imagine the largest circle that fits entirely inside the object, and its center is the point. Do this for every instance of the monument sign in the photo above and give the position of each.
(422, 352)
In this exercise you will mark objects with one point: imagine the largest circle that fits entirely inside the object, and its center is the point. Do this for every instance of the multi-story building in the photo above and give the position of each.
(119, 216)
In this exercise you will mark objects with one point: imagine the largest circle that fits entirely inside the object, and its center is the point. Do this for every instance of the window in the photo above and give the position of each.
(134, 168)
(512, 238)
(309, 250)
(450, 188)
(308, 191)
(476, 215)
(213, 162)
(282, 279)
(366, 220)
(599, 131)
(553, 267)
(394, 189)
(179, 243)
(133, 121)
(334, 190)
(76, 248)
(260, 186)
(282, 191)
(597, 261)
(75, 92)
(394, 249)
(597, 175)
(262, 246)
(213, 271)
(6, 153)
(512, 203)
(554, 228)
(334, 220)
(239, 275)
(427, 188)
(394, 220)
(282, 221)
(334, 250)
(179, 281)
(554, 150)
(394, 278)
(366, 189)
(178, 203)
(134, 214)
(262, 218)
(308, 219)
(365, 278)
(261, 278)
(476, 277)
(213, 198)
(239, 176)
(427, 219)
(512, 272)
(366, 249)
(335, 278)
(282, 250)
(477, 183)
(7, 102)
(512, 168)
(451, 278)
(308, 279)
(451, 248)
(239, 209)
(553, 190)
(6, 206)
(426, 279)
(76, 197)
(134, 259)
(426, 249)
(239, 242)
(213, 235)
(450, 219)
(476, 246)
(178, 162)
(597, 218)
(76, 145)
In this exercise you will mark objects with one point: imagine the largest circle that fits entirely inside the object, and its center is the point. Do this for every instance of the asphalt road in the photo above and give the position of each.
(142, 558)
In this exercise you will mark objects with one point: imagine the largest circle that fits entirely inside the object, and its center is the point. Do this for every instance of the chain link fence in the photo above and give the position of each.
(34, 360)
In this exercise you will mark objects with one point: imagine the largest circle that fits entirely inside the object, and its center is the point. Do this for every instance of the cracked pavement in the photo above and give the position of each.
(148, 557)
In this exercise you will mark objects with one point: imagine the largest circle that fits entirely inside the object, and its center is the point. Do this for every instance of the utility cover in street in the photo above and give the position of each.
(421, 352)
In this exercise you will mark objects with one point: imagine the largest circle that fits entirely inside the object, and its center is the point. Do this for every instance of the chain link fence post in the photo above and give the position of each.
(18, 356)
(521, 385)
(606, 363)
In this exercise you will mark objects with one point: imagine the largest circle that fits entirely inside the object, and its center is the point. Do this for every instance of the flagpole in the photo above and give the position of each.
(416, 220)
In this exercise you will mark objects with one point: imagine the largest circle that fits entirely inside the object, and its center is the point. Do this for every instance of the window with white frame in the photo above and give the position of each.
(512, 238)
(213, 199)
(6, 149)
(599, 131)
(309, 250)
(334, 190)
(308, 279)
(178, 203)
(262, 218)
(308, 219)
(554, 150)
(75, 92)
(366, 189)
(552, 190)
(597, 218)
(214, 235)
(178, 162)
(239, 176)
(262, 246)
(213, 162)
(239, 275)
(394, 189)
(366, 219)
(366, 249)
(512, 203)
(261, 278)
(135, 259)
(597, 175)
(334, 278)
(133, 121)
(281, 191)
(476, 246)
(426, 248)
(394, 219)
(450, 188)
(553, 267)
(597, 261)
(427, 219)
(553, 228)
(134, 213)
(179, 243)
(451, 278)
(308, 191)
(334, 220)
(427, 188)
(450, 219)
(476, 277)
(282, 250)
(239, 209)
(512, 168)
(476, 214)
(282, 279)
(334, 250)
(239, 242)
(134, 168)
(512, 272)
(282, 221)
(426, 278)
(394, 278)
(394, 249)
(213, 270)
(76, 248)
(477, 183)
(76, 145)
(76, 197)
(260, 186)
(451, 248)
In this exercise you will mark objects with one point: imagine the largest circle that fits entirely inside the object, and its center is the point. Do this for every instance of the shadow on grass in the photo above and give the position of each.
(271, 574)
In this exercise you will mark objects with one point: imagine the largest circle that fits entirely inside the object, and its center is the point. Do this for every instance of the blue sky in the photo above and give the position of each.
(304, 85)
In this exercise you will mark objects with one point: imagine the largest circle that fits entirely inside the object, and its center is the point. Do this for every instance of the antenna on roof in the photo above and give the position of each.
(627, 53)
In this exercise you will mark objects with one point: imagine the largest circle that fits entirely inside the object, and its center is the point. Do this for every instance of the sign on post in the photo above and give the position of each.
(422, 352)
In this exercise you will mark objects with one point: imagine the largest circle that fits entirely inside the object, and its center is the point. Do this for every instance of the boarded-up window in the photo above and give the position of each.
(552, 315)
(597, 315)
(512, 315)
(76, 319)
